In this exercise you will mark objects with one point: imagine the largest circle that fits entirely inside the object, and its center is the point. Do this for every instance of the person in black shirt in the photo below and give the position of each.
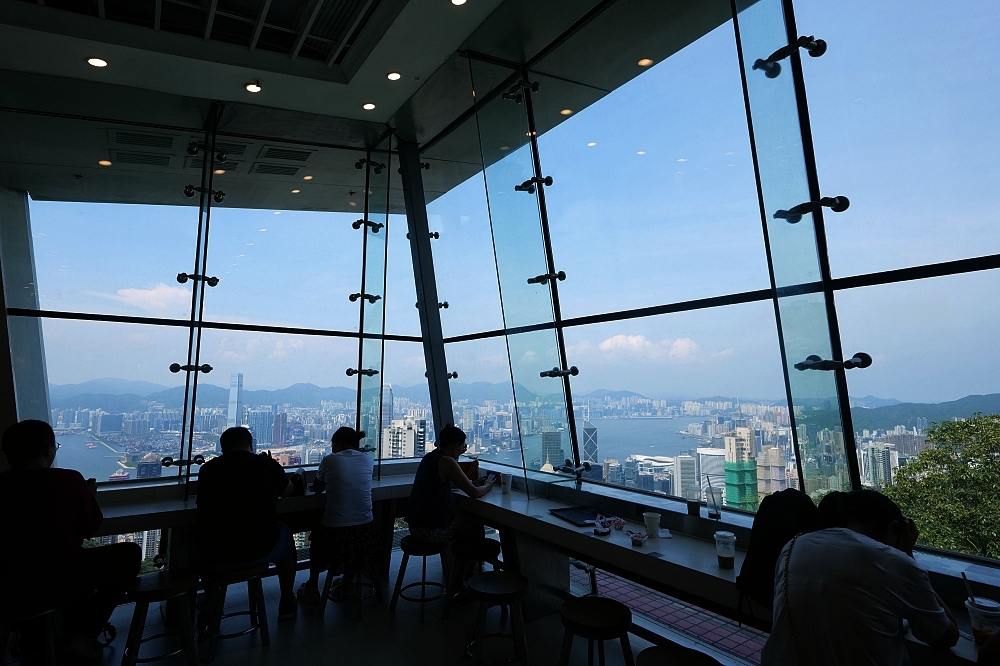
(237, 514)
(47, 514)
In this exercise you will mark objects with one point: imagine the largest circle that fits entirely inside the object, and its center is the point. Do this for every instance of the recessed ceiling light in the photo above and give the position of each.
(504, 147)
(254, 86)
(296, 191)
(566, 112)
(219, 172)
(368, 106)
(645, 62)
(97, 62)
(591, 144)
(352, 203)
(394, 76)
(104, 162)
(307, 177)
(458, 2)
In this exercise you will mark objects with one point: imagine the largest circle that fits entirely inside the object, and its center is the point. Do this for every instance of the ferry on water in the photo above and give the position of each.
(120, 475)
(91, 445)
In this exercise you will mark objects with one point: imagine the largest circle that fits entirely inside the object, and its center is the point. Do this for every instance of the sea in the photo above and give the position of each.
(98, 463)
(621, 438)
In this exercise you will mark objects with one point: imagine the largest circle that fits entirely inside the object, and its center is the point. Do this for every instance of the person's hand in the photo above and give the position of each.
(92, 485)
(480, 481)
(486, 487)
(908, 534)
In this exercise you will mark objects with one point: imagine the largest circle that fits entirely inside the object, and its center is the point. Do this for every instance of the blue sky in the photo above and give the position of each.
(661, 208)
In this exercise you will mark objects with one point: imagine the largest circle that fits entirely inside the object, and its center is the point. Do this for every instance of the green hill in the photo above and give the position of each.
(907, 413)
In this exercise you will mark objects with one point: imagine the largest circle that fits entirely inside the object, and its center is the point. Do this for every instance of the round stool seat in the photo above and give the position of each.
(476, 550)
(498, 587)
(234, 576)
(596, 618)
(162, 585)
(411, 545)
(673, 655)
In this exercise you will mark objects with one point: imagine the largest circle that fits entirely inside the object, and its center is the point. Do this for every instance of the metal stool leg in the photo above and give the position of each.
(5, 634)
(327, 588)
(600, 653)
(51, 656)
(257, 591)
(480, 632)
(357, 587)
(218, 598)
(590, 652)
(567, 647)
(399, 583)
(627, 650)
(520, 638)
(453, 585)
(423, 587)
(187, 630)
(134, 640)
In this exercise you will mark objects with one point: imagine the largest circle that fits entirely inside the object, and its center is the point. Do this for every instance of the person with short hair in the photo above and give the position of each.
(841, 593)
(47, 513)
(429, 511)
(347, 535)
(237, 514)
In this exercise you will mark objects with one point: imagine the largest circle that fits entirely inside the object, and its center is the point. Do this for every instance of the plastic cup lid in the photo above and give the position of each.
(982, 603)
(725, 535)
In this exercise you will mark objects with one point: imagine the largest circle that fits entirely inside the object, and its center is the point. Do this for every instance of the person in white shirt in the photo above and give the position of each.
(347, 536)
(841, 594)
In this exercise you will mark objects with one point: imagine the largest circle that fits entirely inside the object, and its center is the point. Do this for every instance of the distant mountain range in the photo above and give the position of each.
(907, 413)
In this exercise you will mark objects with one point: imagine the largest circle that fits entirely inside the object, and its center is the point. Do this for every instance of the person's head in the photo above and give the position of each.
(874, 515)
(451, 440)
(832, 511)
(346, 438)
(30, 443)
(236, 439)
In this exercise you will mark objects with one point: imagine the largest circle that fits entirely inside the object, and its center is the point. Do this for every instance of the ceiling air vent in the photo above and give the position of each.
(232, 149)
(144, 159)
(279, 153)
(274, 169)
(196, 163)
(144, 139)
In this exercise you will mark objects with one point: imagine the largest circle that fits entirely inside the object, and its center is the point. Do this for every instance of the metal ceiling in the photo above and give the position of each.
(315, 30)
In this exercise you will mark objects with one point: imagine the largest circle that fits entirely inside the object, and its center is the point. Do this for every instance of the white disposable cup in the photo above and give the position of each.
(505, 481)
(725, 548)
(652, 520)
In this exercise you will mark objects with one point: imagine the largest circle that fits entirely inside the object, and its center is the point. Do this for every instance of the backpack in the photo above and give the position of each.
(779, 518)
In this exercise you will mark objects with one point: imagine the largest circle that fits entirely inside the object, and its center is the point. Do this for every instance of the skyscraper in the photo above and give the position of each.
(711, 469)
(741, 470)
(685, 473)
(388, 407)
(589, 451)
(149, 467)
(771, 472)
(235, 414)
(261, 424)
(405, 438)
(552, 451)
(279, 428)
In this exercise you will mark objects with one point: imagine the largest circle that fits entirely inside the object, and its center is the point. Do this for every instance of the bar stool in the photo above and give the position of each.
(412, 546)
(216, 584)
(596, 619)
(151, 588)
(469, 554)
(504, 589)
(672, 654)
(328, 591)
(15, 621)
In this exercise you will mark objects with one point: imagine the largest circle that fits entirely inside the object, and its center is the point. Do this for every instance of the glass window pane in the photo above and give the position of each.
(464, 263)
(295, 389)
(905, 123)
(118, 259)
(284, 268)
(483, 399)
(665, 158)
(407, 422)
(688, 398)
(915, 409)
(116, 407)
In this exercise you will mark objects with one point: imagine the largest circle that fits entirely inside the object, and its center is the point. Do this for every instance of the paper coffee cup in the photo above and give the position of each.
(652, 520)
(505, 481)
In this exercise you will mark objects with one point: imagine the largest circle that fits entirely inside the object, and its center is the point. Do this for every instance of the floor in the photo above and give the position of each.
(380, 639)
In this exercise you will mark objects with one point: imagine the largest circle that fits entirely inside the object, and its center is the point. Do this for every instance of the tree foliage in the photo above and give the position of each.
(952, 490)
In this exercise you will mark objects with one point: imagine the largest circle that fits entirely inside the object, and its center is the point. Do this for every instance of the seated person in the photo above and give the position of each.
(47, 514)
(841, 594)
(237, 514)
(347, 535)
(429, 511)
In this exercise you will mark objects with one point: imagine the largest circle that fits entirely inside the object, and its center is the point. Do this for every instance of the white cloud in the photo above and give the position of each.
(160, 299)
(641, 348)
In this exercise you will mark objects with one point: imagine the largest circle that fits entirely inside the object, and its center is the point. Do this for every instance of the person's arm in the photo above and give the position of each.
(910, 591)
(950, 636)
(451, 471)
(90, 514)
(319, 481)
(282, 482)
